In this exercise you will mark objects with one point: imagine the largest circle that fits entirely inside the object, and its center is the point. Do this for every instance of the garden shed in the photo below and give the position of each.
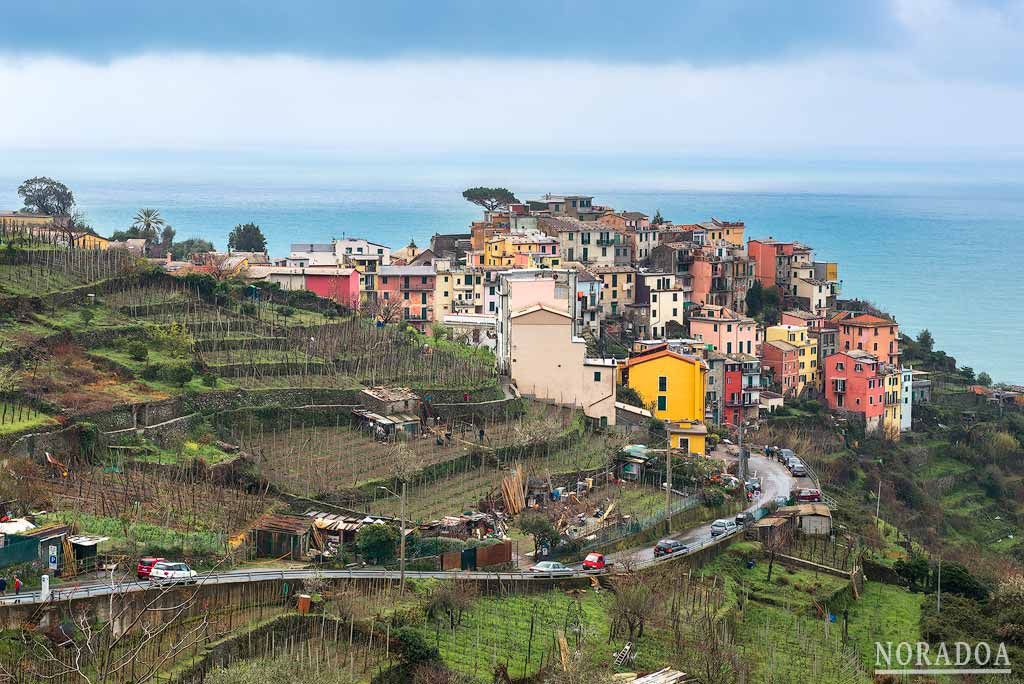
(281, 536)
(811, 518)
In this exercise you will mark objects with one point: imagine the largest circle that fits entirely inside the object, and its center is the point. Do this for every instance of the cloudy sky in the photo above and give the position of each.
(912, 78)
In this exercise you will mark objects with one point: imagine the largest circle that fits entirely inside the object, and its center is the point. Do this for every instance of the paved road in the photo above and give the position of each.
(65, 592)
(775, 481)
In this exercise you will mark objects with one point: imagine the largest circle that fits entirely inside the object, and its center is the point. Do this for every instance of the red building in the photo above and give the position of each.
(865, 332)
(741, 388)
(782, 359)
(853, 383)
(409, 291)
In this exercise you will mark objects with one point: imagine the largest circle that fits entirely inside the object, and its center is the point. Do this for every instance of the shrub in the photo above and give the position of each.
(413, 646)
(86, 315)
(209, 379)
(714, 497)
(138, 351)
(377, 543)
(248, 309)
(286, 311)
(179, 375)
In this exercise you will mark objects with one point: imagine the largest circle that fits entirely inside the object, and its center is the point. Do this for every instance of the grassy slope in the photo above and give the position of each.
(884, 613)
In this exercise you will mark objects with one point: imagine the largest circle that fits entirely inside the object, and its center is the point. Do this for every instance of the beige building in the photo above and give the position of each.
(618, 285)
(458, 290)
(549, 363)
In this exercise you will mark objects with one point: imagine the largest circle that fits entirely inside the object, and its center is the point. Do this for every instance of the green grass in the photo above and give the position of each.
(884, 613)
(186, 452)
(799, 590)
(144, 535)
(497, 631)
(17, 418)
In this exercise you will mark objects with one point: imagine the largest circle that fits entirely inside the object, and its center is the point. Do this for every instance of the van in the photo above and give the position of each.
(723, 526)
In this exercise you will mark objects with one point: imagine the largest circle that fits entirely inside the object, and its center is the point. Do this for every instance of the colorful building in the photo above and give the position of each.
(854, 384)
(906, 398)
(617, 287)
(869, 333)
(548, 362)
(807, 353)
(892, 381)
(742, 388)
(672, 386)
(409, 291)
(724, 329)
(516, 250)
(782, 361)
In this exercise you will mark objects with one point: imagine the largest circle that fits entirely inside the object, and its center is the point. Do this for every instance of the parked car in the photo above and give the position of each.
(792, 461)
(808, 495)
(784, 455)
(595, 561)
(171, 573)
(744, 519)
(798, 469)
(145, 566)
(667, 547)
(551, 568)
(781, 501)
(723, 526)
(753, 484)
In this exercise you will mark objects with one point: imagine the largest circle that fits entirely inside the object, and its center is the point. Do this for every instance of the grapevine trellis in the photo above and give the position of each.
(259, 346)
(181, 500)
(35, 262)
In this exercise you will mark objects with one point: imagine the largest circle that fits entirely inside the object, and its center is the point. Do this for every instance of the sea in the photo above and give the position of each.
(938, 245)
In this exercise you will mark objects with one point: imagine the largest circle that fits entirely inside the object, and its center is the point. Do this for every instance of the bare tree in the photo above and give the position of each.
(714, 655)
(778, 540)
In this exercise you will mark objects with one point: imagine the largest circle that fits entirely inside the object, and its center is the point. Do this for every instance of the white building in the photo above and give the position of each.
(906, 398)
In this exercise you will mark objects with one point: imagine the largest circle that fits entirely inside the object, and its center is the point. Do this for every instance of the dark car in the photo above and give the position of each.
(744, 519)
(145, 566)
(667, 547)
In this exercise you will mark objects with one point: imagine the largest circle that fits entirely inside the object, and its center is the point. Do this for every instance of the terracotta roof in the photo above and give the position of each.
(784, 346)
(867, 319)
(657, 353)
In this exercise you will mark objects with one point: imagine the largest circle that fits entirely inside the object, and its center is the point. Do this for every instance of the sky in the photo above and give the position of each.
(921, 79)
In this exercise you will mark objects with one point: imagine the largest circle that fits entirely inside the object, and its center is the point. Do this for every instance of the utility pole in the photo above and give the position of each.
(401, 547)
(743, 454)
(938, 592)
(668, 486)
(878, 501)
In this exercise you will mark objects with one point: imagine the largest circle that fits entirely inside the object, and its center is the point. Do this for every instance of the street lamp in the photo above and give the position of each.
(401, 535)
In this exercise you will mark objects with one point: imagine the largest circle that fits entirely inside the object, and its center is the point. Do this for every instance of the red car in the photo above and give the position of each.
(594, 561)
(808, 496)
(145, 566)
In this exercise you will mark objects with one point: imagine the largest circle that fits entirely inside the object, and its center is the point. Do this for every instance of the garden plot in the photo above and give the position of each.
(187, 507)
(462, 485)
(310, 460)
(17, 417)
(41, 269)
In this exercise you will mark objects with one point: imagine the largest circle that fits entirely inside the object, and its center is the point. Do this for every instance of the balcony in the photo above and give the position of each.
(417, 287)
(607, 242)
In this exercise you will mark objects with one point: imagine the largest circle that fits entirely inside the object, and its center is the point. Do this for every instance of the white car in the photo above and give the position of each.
(172, 573)
(551, 568)
(723, 526)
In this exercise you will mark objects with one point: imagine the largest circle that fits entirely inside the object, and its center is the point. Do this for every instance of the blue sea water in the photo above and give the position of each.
(943, 254)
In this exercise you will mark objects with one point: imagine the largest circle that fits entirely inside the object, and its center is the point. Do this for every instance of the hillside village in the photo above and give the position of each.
(684, 407)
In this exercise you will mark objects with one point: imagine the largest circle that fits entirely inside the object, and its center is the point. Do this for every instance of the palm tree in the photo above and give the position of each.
(148, 223)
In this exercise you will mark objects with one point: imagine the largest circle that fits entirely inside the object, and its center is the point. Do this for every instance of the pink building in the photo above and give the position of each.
(410, 291)
(865, 332)
(782, 359)
(725, 330)
(341, 285)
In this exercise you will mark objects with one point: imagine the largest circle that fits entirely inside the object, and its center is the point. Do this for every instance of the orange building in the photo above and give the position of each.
(873, 334)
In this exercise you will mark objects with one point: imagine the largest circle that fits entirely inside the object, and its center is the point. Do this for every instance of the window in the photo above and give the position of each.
(446, 293)
(662, 403)
(840, 366)
(662, 383)
(597, 376)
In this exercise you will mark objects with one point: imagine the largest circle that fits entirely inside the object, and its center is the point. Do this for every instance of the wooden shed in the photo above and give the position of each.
(281, 536)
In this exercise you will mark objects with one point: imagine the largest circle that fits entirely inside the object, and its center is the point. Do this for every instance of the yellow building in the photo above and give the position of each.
(517, 250)
(90, 241)
(730, 231)
(672, 387)
(458, 291)
(893, 416)
(807, 350)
